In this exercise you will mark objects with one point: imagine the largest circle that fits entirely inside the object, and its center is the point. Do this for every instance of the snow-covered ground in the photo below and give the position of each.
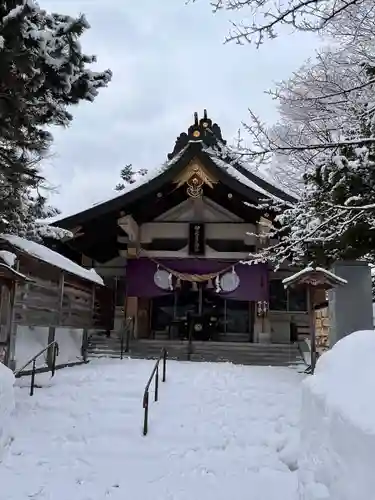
(218, 432)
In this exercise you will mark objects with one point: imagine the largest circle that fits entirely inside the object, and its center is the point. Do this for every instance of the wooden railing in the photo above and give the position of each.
(53, 349)
(146, 394)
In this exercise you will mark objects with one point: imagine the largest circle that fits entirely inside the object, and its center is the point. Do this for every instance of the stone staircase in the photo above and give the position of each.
(234, 352)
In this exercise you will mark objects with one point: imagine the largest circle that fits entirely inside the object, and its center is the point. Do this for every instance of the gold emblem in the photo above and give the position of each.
(195, 176)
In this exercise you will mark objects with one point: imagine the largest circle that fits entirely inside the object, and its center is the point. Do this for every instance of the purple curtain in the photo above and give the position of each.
(253, 278)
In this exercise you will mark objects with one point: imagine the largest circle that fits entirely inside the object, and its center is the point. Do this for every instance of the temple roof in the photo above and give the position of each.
(204, 141)
(227, 182)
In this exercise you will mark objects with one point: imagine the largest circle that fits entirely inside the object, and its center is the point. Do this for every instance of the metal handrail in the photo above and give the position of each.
(55, 353)
(127, 330)
(155, 373)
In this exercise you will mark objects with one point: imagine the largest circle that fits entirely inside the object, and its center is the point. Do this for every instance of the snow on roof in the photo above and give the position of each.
(8, 257)
(331, 274)
(43, 253)
(233, 172)
(310, 269)
(263, 175)
(154, 173)
(141, 181)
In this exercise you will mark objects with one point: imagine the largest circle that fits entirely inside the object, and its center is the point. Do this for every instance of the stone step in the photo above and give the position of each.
(222, 345)
(212, 357)
(207, 349)
(239, 353)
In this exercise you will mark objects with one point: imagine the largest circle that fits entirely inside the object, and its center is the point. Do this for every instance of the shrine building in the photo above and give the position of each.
(176, 243)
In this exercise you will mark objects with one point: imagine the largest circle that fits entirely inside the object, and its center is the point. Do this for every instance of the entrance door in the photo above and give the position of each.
(227, 320)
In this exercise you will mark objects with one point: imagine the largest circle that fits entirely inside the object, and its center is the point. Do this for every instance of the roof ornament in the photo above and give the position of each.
(201, 131)
(195, 185)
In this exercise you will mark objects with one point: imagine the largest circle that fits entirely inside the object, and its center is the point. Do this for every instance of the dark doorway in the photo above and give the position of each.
(228, 320)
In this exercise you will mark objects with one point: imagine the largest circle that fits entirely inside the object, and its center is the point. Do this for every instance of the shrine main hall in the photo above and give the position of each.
(177, 243)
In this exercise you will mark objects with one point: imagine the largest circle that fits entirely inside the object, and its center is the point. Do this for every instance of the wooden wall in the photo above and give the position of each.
(55, 298)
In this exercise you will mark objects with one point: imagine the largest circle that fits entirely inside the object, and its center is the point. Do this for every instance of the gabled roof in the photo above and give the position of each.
(44, 254)
(204, 143)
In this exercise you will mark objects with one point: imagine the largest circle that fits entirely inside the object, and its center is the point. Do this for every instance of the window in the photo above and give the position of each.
(297, 299)
(278, 296)
(163, 309)
(237, 316)
(120, 291)
(293, 299)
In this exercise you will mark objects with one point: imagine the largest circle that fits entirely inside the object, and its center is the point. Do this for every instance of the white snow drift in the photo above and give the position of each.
(338, 423)
(6, 407)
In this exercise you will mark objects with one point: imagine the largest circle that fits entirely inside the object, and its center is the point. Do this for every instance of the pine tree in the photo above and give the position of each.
(335, 216)
(128, 176)
(43, 71)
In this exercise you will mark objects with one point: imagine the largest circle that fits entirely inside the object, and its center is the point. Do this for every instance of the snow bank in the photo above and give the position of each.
(338, 423)
(31, 340)
(70, 343)
(55, 259)
(6, 406)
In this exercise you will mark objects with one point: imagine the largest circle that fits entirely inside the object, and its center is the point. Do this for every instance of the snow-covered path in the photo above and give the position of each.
(218, 432)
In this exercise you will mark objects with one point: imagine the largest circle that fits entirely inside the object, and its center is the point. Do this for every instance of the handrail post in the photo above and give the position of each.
(33, 378)
(128, 330)
(85, 345)
(164, 365)
(122, 344)
(157, 383)
(190, 340)
(145, 419)
(55, 353)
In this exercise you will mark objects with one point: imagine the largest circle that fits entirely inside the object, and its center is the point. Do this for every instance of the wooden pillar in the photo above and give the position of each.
(51, 338)
(12, 329)
(4, 322)
(85, 340)
(61, 300)
(310, 298)
(132, 312)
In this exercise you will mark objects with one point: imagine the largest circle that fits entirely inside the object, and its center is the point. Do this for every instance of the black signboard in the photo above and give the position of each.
(196, 239)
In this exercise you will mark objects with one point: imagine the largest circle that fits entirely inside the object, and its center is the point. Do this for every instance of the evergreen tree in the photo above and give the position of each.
(334, 218)
(129, 176)
(43, 71)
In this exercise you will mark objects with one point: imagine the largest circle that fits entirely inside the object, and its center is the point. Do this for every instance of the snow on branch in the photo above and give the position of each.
(263, 19)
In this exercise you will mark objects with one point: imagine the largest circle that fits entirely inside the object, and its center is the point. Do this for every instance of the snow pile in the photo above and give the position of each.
(29, 341)
(338, 423)
(70, 343)
(6, 406)
(55, 259)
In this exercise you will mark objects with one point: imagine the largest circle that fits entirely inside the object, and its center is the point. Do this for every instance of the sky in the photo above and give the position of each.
(168, 60)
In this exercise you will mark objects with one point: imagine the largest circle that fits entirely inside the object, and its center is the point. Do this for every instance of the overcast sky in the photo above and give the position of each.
(168, 60)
